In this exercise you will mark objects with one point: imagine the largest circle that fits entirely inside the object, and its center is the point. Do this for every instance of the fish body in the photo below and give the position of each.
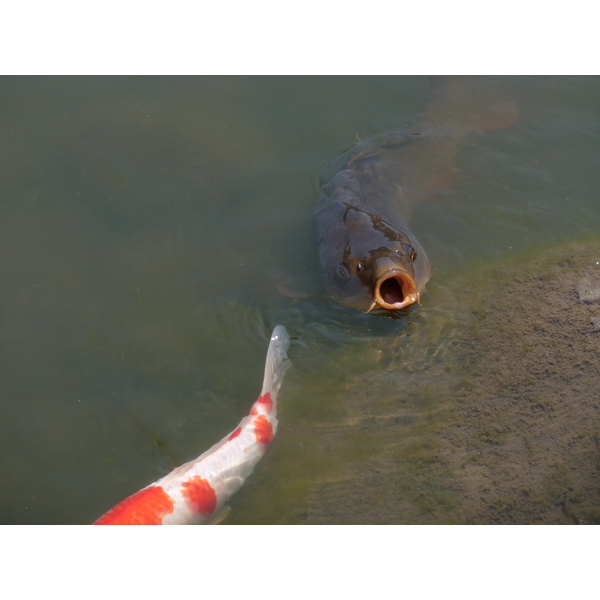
(196, 492)
(369, 257)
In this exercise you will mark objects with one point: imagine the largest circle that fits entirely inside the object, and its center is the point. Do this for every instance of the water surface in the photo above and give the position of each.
(154, 230)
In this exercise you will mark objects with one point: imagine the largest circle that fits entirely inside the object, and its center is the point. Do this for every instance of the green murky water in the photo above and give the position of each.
(148, 227)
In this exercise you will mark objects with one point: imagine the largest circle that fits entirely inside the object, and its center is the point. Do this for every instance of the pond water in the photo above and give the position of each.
(153, 231)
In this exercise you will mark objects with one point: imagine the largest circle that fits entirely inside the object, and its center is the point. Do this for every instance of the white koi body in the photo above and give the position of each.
(197, 491)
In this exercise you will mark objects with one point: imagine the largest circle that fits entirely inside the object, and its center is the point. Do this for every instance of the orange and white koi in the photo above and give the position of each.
(197, 491)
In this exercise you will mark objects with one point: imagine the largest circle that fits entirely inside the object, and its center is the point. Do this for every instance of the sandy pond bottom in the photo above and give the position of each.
(509, 432)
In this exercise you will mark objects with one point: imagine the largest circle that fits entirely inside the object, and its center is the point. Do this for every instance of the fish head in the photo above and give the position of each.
(367, 262)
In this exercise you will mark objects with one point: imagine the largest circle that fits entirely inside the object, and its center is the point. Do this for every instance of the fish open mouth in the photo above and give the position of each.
(395, 290)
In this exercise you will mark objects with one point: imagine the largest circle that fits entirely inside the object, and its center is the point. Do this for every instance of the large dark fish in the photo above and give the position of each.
(368, 255)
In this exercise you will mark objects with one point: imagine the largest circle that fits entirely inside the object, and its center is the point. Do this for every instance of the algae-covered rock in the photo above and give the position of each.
(534, 365)
(488, 412)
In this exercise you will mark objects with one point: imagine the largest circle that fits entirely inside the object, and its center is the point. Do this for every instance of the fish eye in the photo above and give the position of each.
(360, 266)
(342, 271)
(410, 251)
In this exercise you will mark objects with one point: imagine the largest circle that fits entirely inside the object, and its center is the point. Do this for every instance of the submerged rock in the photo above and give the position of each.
(588, 289)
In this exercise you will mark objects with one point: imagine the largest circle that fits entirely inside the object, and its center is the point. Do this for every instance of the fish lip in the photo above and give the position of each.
(410, 292)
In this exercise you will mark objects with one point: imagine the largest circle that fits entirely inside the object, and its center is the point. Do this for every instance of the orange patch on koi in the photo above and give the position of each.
(266, 401)
(146, 507)
(199, 495)
(263, 430)
(234, 434)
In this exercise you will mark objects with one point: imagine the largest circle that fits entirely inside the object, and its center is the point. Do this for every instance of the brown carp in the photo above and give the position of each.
(369, 257)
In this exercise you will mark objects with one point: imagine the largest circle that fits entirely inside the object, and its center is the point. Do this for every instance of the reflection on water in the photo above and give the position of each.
(154, 230)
